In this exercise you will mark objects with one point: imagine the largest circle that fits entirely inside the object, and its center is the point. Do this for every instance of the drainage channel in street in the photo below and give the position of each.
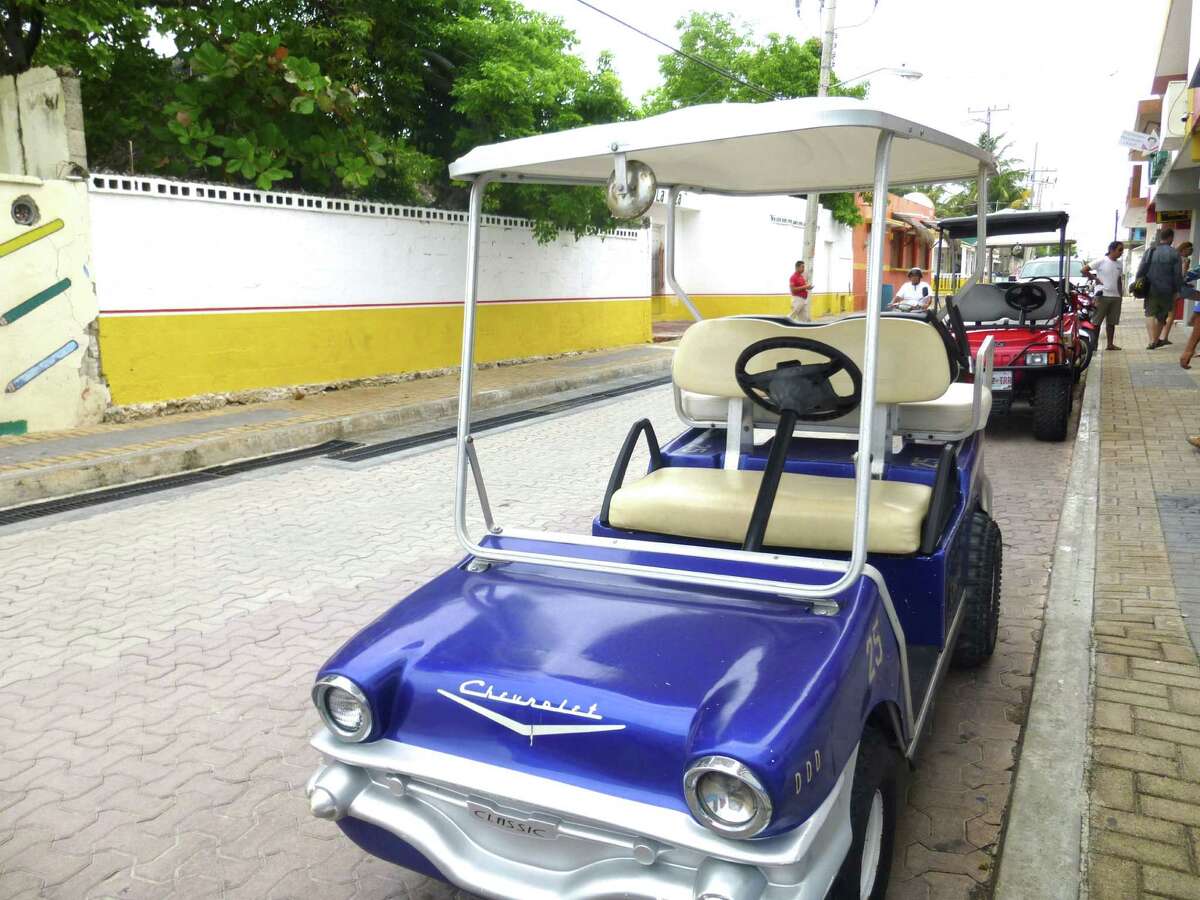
(338, 450)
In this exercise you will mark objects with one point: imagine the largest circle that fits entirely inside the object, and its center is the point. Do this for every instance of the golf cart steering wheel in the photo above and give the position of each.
(959, 328)
(803, 389)
(1025, 296)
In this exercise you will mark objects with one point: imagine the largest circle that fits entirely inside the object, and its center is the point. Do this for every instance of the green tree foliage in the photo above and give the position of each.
(782, 66)
(1007, 189)
(322, 95)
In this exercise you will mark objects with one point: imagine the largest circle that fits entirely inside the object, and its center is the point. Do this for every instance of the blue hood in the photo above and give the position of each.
(635, 680)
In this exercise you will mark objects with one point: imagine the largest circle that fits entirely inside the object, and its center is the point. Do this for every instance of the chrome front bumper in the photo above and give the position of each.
(507, 834)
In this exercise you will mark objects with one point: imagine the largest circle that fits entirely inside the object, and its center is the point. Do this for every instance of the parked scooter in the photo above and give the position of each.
(1083, 312)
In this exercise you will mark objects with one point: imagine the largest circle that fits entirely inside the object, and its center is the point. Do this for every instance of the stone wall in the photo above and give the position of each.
(41, 125)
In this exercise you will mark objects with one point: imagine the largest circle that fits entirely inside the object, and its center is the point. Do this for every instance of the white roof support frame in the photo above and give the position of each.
(669, 262)
(787, 147)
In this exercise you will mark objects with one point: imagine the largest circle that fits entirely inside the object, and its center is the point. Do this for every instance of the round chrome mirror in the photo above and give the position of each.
(638, 195)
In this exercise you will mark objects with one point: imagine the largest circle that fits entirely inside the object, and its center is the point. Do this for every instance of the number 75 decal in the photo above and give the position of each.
(874, 650)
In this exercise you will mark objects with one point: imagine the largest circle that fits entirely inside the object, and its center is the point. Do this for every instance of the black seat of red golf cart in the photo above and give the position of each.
(811, 512)
(983, 303)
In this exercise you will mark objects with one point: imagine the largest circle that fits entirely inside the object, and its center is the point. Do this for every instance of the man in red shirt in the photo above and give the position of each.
(799, 286)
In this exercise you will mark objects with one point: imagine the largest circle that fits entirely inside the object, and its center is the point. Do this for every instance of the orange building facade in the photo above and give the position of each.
(908, 244)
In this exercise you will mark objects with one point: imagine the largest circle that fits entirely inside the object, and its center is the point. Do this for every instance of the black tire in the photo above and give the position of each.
(876, 772)
(1052, 406)
(1084, 359)
(981, 603)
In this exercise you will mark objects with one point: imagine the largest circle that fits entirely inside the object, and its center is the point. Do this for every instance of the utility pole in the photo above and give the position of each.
(987, 115)
(812, 208)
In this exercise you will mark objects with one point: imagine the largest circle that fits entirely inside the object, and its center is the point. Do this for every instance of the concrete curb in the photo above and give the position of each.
(90, 473)
(1043, 849)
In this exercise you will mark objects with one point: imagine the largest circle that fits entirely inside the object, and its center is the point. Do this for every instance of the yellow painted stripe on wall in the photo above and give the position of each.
(164, 357)
(12, 245)
(668, 308)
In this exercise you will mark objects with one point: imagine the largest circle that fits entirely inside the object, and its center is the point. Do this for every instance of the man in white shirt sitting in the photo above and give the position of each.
(914, 295)
(1107, 271)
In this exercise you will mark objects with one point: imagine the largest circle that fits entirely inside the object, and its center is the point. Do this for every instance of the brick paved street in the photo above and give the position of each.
(1145, 779)
(158, 653)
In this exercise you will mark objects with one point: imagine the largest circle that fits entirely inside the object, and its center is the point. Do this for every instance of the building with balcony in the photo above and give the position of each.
(1164, 184)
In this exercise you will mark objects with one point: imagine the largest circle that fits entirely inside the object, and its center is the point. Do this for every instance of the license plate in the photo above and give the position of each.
(1002, 381)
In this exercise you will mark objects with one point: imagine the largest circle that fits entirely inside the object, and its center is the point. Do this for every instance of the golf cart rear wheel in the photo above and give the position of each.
(873, 800)
(981, 603)
(1052, 406)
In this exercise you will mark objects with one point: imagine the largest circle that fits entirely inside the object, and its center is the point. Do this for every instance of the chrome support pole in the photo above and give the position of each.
(467, 370)
(672, 199)
(867, 417)
(981, 229)
(734, 417)
(480, 488)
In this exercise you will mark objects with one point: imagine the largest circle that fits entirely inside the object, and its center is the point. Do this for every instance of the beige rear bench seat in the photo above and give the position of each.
(951, 413)
(811, 512)
(914, 373)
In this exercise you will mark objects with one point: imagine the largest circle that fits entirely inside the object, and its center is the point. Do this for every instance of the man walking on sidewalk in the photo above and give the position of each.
(799, 287)
(1163, 270)
(1108, 272)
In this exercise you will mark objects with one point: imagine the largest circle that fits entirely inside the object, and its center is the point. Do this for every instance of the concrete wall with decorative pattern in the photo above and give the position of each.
(49, 370)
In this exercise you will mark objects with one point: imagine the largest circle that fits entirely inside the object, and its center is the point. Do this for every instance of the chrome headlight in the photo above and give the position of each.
(726, 797)
(1036, 359)
(343, 707)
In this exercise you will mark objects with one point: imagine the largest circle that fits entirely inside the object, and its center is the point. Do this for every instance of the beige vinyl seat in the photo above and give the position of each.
(953, 413)
(810, 511)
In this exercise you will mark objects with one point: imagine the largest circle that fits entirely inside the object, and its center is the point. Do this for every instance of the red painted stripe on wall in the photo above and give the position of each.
(398, 305)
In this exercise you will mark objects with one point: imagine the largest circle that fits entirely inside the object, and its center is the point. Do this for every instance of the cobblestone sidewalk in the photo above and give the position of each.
(1145, 777)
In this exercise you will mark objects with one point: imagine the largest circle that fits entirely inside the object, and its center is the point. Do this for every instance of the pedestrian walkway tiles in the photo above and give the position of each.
(1180, 519)
(1161, 375)
(1144, 782)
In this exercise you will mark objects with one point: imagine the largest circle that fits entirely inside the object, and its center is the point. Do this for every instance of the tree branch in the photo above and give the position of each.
(35, 33)
(18, 48)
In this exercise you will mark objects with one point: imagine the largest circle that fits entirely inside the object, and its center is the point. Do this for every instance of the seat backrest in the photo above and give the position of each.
(913, 361)
(985, 303)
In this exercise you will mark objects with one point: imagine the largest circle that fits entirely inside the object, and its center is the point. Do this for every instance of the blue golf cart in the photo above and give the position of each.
(713, 694)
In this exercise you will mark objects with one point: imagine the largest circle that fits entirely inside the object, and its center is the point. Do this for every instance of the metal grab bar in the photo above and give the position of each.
(617, 478)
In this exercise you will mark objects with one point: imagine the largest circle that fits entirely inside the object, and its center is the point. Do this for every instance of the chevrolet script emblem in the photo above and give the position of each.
(478, 688)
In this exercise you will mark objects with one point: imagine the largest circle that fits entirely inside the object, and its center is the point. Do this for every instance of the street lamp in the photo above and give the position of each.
(902, 71)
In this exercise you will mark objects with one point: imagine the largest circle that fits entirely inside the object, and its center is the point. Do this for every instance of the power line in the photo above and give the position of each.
(987, 111)
(725, 73)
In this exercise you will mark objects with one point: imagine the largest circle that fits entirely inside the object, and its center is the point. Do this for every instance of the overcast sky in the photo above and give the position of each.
(1071, 71)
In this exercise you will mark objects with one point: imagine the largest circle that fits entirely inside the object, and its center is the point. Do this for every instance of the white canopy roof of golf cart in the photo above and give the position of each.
(784, 146)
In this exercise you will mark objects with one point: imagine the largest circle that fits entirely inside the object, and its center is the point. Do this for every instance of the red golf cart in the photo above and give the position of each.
(1038, 351)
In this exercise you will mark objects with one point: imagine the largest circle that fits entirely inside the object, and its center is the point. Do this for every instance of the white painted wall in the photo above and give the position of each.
(749, 245)
(158, 251)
